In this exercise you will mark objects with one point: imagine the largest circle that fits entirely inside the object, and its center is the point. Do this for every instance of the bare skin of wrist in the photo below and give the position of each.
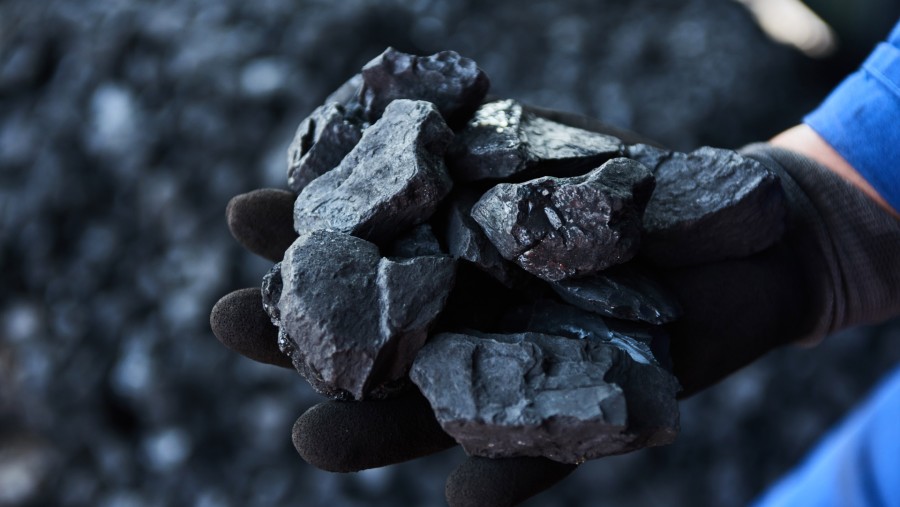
(804, 140)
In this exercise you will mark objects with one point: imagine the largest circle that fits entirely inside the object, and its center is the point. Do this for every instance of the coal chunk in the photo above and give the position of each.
(712, 204)
(642, 343)
(272, 286)
(322, 140)
(352, 321)
(412, 292)
(466, 240)
(393, 179)
(624, 292)
(533, 394)
(454, 84)
(348, 94)
(557, 228)
(650, 156)
(417, 242)
(501, 142)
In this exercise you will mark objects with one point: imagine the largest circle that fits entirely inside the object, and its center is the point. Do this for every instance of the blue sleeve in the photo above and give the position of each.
(856, 465)
(861, 119)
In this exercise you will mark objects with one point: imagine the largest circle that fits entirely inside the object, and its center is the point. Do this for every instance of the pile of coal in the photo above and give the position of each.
(499, 261)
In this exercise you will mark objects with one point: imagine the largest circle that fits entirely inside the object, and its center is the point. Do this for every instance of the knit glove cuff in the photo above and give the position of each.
(848, 244)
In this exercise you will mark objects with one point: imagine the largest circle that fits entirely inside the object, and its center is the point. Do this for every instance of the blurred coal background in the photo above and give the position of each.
(125, 127)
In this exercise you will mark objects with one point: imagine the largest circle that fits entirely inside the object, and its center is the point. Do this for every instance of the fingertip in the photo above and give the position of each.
(483, 482)
(240, 323)
(262, 221)
(350, 436)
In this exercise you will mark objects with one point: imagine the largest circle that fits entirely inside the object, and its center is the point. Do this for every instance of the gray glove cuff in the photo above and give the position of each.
(849, 245)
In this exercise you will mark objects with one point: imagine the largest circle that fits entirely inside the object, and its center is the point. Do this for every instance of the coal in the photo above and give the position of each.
(642, 343)
(417, 242)
(467, 241)
(709, 205)
(501, 142)
(533, 394)
(557, 228)
(272, 286)
(411, 294)
(322, 140)
(650, 156)
(624, 292)
(393, 179)
(454, 84)
(328, 276)
(348, 94)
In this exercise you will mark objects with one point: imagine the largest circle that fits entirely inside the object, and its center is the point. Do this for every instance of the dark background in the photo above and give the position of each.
(124, 129)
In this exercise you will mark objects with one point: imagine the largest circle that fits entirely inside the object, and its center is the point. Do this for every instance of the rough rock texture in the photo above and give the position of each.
(322, 140)
(393, 179)
(272, 286)
(466, 240)
(557, 228)
(532, 394)
(328, 277)
(454, 84)
(549, 317)
(411, 294)
(348, 94)
(712, 204)
(650, 156)
(502, 143)
(416, 242)
(624, 292)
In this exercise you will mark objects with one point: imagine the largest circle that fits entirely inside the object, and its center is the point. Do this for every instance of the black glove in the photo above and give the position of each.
(837, 265)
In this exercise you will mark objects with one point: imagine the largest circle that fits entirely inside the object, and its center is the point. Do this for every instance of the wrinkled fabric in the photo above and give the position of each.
(867, 102)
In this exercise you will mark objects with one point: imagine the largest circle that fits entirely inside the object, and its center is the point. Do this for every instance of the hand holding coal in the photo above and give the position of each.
(407, 180)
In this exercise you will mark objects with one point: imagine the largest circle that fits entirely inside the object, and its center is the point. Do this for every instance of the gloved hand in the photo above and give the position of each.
(837, 265)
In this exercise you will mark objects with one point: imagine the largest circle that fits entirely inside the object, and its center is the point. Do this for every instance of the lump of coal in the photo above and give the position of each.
(454, 84)
(467, 241)
(416, 242)
(271, 293)
(549, 317)
(709, 205)
(411, 294)
(352, 322)
(348, 94)
(557, 228)
(501, 142)
(624, 292)
(650, 156)
(532, 394)
(392, 180)
(321, 142)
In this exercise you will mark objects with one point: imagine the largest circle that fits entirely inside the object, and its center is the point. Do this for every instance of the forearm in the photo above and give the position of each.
(804, 140)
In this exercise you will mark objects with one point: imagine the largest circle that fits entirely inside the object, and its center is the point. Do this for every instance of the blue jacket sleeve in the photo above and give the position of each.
(861, 119)
(856, 465)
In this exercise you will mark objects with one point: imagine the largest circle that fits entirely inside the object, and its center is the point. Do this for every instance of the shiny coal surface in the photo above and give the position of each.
(125, 127)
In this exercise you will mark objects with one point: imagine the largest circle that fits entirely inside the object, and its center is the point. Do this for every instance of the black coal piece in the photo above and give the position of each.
(532, 394)
(322, 140)
(350, 320)
(712, 204)
(393, 179)
(453, 83)
(501, 142)
(557, 228)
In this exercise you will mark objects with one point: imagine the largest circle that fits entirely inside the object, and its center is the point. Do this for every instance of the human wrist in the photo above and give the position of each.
(802, 139)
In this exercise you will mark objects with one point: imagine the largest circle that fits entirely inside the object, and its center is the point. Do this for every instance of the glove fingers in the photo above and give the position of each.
(356, 435)
(240, 323)
(502, 482)
(734, 312)
(262, 221)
